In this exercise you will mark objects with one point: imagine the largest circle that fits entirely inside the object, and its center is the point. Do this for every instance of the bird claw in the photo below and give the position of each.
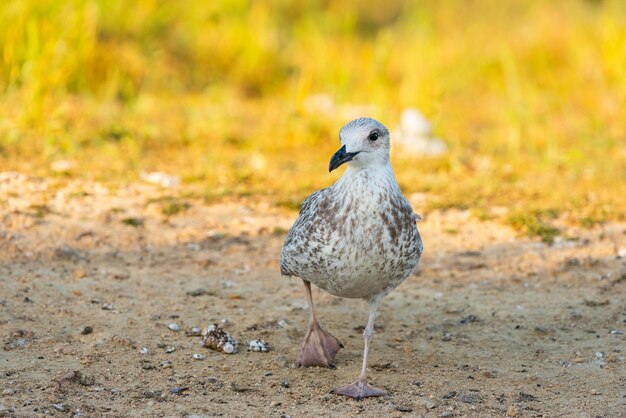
(318, 348)
(359, 390)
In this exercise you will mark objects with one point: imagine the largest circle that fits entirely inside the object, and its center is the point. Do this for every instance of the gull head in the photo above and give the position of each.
(364, 143)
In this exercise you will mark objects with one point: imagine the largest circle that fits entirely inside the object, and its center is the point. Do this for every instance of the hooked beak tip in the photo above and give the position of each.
(340, 157)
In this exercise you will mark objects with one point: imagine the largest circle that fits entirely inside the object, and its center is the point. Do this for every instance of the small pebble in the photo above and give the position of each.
(166, 364)
(170, 349)
(526, 397)
(285, 384)
(402, 408)
(616, 332)
(194, 332)
(470, 398)
(596, 303)
(198, 292)
(446, 336)
(177, 390)
(198, 356)
(449, 395)
(152, 394)
(67, 253)
(512, 411)
(144, 350)
(429, 404)
(469, 319)
(174, 327)
(236, 388)
(146, 365)
(614, 358)
(214, 382)
(60, 407)
(86, 330)
(20, 342)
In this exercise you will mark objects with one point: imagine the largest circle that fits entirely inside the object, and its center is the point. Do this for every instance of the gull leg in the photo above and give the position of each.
(361, 389)
(318, 347)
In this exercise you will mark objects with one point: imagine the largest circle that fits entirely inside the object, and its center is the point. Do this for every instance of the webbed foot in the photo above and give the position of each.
(318, 348)
(359, 390)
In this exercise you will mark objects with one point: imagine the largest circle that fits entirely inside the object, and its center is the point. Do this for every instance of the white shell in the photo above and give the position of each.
(229, 348)
(258, 345)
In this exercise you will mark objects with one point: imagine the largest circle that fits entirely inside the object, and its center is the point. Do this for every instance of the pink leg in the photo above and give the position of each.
(318, 347)
(361, 389)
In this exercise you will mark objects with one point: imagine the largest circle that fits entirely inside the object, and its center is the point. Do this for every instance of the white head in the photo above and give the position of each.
(365, 143)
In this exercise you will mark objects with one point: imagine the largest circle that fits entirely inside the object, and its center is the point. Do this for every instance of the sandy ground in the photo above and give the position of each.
(491, 325)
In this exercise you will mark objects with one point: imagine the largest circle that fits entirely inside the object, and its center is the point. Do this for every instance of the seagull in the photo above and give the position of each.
(355, 239)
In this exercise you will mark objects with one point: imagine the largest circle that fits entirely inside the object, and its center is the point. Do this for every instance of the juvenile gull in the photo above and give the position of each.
(355, 239)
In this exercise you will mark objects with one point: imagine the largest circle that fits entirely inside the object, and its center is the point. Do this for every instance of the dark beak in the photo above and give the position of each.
(341, 157)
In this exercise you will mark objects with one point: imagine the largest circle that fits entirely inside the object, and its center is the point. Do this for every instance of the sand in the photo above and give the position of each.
(492, 324)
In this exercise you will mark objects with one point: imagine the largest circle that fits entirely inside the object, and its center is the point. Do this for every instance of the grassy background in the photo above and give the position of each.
(529, 95)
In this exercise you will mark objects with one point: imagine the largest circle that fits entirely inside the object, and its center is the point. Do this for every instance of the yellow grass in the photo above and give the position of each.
(529, 95)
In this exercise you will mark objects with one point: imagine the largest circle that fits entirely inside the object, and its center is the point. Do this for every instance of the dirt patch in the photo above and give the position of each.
(102, 316)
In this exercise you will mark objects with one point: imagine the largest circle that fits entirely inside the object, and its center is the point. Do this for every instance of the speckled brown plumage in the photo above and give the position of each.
(357, 238)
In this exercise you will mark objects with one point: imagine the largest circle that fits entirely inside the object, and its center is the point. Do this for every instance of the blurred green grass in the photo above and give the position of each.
(244, 98)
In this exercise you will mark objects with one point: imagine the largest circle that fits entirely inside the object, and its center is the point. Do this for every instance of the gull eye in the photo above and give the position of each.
(373, 136)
